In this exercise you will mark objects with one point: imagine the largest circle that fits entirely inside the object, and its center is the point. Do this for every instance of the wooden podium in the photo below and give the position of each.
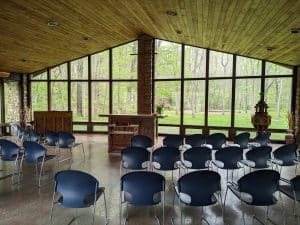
(123, 127)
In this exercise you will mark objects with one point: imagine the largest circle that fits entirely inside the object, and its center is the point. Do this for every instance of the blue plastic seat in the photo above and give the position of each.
(76, 189)
(229, 158)
(51, 138)
(262, 139)
(134, 158)
(141, 141)
(199, 189)
(10, 152)
(194, 140)
(35, 154)
(285, 155)
(66, 140)
(216, 140)
(242, 140)
(258, 157)
(256, 189)
(31, 135)
(142, 188)
(173, 140)
(197, 158)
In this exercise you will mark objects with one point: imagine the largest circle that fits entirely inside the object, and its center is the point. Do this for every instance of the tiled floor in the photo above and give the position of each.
(27, 204)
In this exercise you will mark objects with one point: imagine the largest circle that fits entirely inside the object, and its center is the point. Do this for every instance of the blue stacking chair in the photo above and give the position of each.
(199, 189)
(10, 152)
(141, 141)
(173, 140)
(142, 188)
(66, 140)
(51, 138)
(166, 159)
(197, 158)
(242, 140)
(31, 135)
(216, 140)
(36, 154)
(291, 188)
(256, 189)
(284, 156)
(262, 139)
(258, 158)
(229, 158)
(77, 189)
(134, 158)
(194, 140)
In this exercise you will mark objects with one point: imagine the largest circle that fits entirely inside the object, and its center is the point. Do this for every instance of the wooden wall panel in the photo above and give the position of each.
(53, 121)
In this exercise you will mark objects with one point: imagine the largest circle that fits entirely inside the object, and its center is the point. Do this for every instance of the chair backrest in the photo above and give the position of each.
(296, 183)
(173, 141)
(287, 154)
(261, 185)
(9, 150)
(263, 138)
(76, 188)
(65, 139)
(216, 140)
(260, 156)
(142, 187)
(242, 139)
(14, 128)
(195, 140)
(51, 138)
(17, 130)
(197, 157)
(165, 158)
(31, 135)
(230, 156)
(134, 158)
(141, 141)
(200, 186)
(33, 151)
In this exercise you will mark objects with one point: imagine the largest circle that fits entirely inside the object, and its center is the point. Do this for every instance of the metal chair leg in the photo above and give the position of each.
(41, 171)
(105, 207)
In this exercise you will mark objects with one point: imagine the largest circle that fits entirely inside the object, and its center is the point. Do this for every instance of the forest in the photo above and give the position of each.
(218, 79)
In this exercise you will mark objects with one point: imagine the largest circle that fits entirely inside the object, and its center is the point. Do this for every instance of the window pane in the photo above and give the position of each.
(247, 66)
(125, 97)
(167, 59)
(246, 96)
(195, 62)
(219, 103)
(59, 72)
(79, 69)
(225, 132)
(12, 101)
(168, 130)
(100, 128)
(100, 100)
(59, 96)
(40, 76)
(167, 95)
(275, 69)
(39, 96)
(100, 66)
(79, 101)
(189, 131)
(125, 61)
(278, 97)
(220, 64)
(79, 127)
(194, 102)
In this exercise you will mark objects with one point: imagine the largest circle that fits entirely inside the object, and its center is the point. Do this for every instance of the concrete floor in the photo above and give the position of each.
(26, 204)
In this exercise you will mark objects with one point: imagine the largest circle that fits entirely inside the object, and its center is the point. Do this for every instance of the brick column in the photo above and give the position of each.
(145, 63)
(297, 108)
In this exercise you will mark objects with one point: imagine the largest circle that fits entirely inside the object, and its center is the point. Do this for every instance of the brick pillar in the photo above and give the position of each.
(145, 63)
(297, 108)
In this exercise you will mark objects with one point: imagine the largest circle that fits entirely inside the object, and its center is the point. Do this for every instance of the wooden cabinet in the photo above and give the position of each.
(144, 124)
(53, 121)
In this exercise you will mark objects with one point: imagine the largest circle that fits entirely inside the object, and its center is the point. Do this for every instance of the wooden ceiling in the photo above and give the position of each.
(245, 27)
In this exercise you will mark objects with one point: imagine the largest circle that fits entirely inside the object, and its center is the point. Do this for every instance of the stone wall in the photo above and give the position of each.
(297, 108)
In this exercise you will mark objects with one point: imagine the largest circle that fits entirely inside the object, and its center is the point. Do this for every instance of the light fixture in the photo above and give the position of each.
(52, 23)
(4, 74)
(295, 30)
(269, 49)
(178, 31)
(171, 13)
